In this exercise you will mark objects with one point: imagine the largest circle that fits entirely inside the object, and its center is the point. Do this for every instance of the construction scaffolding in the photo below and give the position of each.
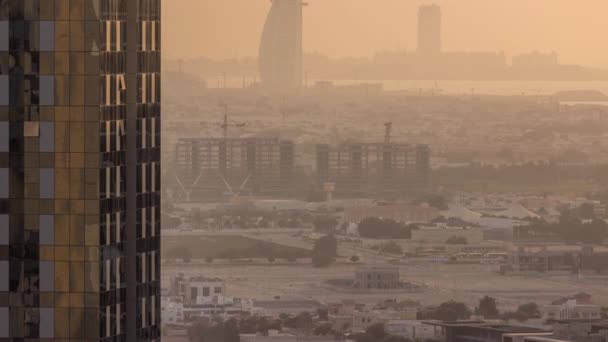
(374, 168)
(212, 167)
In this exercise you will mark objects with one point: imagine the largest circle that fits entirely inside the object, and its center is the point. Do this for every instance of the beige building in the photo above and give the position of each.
(377, 278)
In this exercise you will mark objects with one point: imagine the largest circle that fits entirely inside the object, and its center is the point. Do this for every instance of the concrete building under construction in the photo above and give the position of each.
(390, 169)
(216, 167)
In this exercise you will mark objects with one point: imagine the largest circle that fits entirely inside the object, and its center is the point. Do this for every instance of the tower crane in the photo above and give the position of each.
(226, 123)
(388, 126)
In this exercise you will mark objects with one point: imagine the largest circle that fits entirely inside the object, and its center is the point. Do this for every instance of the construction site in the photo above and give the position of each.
(386, 168)
(353, 169)
(220, 167)
(210, 168)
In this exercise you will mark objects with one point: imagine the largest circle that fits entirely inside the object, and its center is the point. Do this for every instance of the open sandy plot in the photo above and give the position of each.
(443, 282)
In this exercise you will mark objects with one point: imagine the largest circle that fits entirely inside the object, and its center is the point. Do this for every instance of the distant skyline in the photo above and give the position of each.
(360, 28)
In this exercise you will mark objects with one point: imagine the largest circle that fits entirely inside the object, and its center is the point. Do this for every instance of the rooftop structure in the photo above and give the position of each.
(479, 331)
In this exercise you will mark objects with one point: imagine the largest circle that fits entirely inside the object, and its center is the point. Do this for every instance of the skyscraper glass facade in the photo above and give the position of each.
(79, 170)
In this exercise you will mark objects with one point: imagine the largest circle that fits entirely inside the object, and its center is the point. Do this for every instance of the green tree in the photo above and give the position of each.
(363, 337)
(277, 324)
(447, 311)
(376, 228)
(434, 200)
(218, 332)
(323, 314)
(487, 307)
(529, 310)
(324, 251)
(323, 329)
(354, 258)
(376, 331)
(586, 211)
(513, 315)
(301, 321)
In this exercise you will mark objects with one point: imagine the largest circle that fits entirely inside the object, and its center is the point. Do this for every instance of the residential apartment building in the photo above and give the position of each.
(80, 170)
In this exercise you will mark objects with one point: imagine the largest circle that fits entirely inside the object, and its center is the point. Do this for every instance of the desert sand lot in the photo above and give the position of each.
(443, 282)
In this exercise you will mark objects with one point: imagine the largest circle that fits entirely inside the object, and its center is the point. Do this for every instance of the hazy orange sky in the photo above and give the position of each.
(575, 29)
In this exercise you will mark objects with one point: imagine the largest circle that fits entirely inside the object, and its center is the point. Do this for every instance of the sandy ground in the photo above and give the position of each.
(443, 282)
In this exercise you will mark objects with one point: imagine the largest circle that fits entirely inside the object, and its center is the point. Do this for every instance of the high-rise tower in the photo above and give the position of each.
(79, 170)
(280, 55)
(429, 30)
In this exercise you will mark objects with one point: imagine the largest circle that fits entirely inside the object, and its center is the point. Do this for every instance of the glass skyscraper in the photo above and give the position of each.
(79, 170)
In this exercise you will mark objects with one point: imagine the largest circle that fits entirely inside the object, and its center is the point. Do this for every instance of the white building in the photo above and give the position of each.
(199, 290)
(364, 319)
(571, 310)
(195, 297)
(410, 329)
(172, 311)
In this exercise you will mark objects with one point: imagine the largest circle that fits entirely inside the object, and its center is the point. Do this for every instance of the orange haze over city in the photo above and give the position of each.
(338, 28)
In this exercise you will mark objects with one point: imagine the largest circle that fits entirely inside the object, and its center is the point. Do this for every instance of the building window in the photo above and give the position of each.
(47, 230)
(4, 183)
(47, 323)
(4, 230)
(4, 276)
(47, 90)
(47, 137)
(47, 183)
(4, 35)
(4, 136)
(4, 93)
(47, 276)
(47, 35)
(4, 322)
